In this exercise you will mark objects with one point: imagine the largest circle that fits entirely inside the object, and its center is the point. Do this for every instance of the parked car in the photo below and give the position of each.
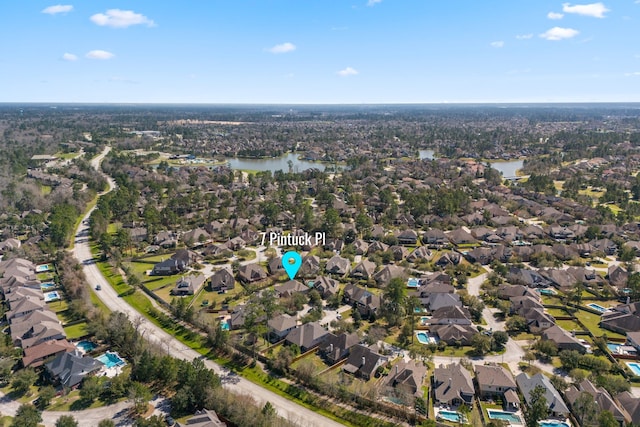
(98, 287)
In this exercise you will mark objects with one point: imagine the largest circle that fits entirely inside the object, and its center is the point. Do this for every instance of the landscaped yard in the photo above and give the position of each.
(591, 321)
(569, 325)
(312, 359)
(76, 331)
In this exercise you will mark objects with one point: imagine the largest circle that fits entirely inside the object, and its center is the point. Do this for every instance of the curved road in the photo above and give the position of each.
(285, 408)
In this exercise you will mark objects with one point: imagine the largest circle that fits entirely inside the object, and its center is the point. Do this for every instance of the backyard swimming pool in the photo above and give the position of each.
(502, 415)
(553, 423)
(413, 283)
(423, 320)
(224, 325)
(424, 338)
(452, 416)
(47, 286)
(635, 368)
(546, 291)
(597, 307)
(42, 268)
(51, 296)
(111, 359)
(86, 346)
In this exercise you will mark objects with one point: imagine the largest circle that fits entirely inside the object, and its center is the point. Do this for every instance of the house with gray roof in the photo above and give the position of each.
(407, 377)
(69, 369)
(188, 285)
(338, 265)
(602, 398)
(563, 339)
(557, 407)
(222, 280)
(281, 325)
(337, 347)
(250, 273)
(364, 361)
(453, 385)
(495, 380)
(307, 336)
(326, 286)
(203, 418)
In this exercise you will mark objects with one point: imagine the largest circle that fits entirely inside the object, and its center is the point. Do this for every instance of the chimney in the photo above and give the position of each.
(396, 369)
(363, 361)
(331, 348)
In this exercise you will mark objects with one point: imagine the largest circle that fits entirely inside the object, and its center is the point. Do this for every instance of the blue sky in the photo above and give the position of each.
(319, 51)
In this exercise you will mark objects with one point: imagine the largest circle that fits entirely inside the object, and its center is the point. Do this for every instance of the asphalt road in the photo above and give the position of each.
(285, 408)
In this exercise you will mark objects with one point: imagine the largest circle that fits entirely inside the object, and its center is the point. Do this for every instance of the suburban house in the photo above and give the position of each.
(563, 339)
(222, 280)
(310, 266)
(407, 237)
(364, 361)
(188, 285)
(275, 266)
(307, 336)
(281, 325)
(388, 272)
(69, 369)
(495, 380)
(366, 302)
(407, 377)
(453, 385)
(622, 318)
(435, 238)
(557, 407)
(337, 347)
(422, 253)
(363, 270)
(326, 286)
(338, 265)
(602, 398)
(167, 267)
(203, 418)
(631, 404)
(455, 315)
(454, 334)
(250, 273)
(36, 355)
(290, 287)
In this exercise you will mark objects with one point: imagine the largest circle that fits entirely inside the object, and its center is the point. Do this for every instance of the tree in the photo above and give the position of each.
(394, 302)
(606, 419)
(538, 409)
(27, 416)
(499, 339)
(152, 421)
(516, 324)
(23, 380)
(585, 408)
(139, 396)
(90, 389)
(66, 421)
(45, 395)
(6, 367)
(481, 344)
(106, 423)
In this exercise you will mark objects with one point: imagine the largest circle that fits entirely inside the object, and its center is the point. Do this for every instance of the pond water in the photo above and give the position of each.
(507, 168)
(275, 163)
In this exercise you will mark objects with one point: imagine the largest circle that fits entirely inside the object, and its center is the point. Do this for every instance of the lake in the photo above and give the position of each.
(275, 163)
(506, 168)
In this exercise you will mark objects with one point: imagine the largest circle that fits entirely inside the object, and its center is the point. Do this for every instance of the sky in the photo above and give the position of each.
(319, 51)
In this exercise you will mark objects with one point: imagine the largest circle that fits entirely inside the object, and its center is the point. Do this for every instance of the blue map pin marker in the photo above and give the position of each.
(291, 261)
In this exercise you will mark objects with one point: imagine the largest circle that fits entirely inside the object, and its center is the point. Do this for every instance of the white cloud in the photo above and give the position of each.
(373, 2)
(282, 48)
(69, 57)
(117, 18)
(99, 54)
(348, 72)
(596, 10)
(497, 44)
(559, 33)
(58, 8)
(634, 74)
(555, 15)
(524, 36)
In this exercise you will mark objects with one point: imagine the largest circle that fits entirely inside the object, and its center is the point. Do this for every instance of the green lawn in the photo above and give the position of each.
(76, 331)
(591, 321)
(58, 306)
(555, 312)
(216, 297)
(569, 325)
(314, 359)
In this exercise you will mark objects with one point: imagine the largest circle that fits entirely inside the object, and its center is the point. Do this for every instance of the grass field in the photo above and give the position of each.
(76, 331)
(591, 321)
